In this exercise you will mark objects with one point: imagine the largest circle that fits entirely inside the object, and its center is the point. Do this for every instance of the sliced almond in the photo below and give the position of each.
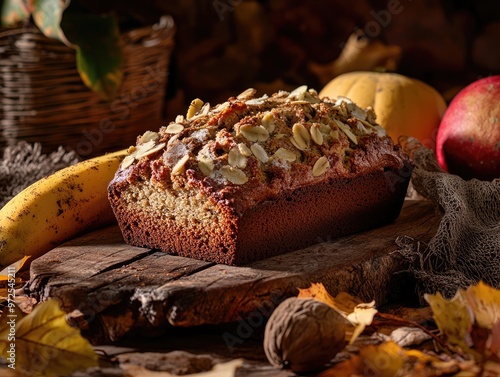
(127, 161)
(321, 166)
(172, 139)
(148, 136)
(301, 135)
(180, 166)
(298, 93)
(233, 156)
(194, 107)
(316, 134)
(254, 134)
(244, 150)
(206, 166)
(367, 124)
(259, 153)
(310, 98)
(381, 131)
(268, 122)
(356, 111)
(295, 144)
(179, 119)
(257, 101)
(174, 128)
(347, 131)
(361, 127)
(285, 154)
(143, 148)
(234, 175)
(236, 159)
(221, 107)
(153, 150)
(247, 94)
(205, 109)
(349, 134)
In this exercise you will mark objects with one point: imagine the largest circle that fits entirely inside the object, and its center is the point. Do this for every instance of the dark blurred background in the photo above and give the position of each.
(219, 48)
(224, 46)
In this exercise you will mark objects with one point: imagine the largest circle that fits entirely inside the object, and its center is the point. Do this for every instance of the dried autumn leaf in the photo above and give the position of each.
(469, 320)
(45, 345)
(10, 271)
(384, 360)
(453, 319)
(318, 292)
(390, 360)
(484, 302)
(227, 369)
(344, 303)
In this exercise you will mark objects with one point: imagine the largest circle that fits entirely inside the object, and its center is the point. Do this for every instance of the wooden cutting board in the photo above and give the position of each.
(114, 290)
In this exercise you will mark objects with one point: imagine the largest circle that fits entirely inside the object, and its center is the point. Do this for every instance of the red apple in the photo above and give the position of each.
(468, 138)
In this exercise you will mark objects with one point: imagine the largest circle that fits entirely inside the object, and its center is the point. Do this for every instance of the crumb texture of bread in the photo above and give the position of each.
(256, 177)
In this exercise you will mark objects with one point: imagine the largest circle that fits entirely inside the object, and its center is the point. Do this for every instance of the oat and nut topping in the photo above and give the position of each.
(227, 142)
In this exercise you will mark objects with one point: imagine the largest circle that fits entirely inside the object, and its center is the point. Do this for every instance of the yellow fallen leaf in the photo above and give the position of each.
(318, 292)
(344, 303)
(9, 272)
(484, 301)
(43, 344)
(384, 360)
(227, 369)
(453, 319)
(390, 360)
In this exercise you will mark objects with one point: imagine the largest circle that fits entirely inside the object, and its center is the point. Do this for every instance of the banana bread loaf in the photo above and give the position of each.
(256, 177)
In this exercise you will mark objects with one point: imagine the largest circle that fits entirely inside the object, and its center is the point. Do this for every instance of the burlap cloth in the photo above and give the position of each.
(23, 164)
(466, 247)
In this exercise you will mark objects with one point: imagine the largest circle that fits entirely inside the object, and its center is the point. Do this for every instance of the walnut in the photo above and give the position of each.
(303, 334)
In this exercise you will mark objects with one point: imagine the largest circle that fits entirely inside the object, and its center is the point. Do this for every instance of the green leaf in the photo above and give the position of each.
(45, 345)
(12, 12)
(47, 15)
(99, 54)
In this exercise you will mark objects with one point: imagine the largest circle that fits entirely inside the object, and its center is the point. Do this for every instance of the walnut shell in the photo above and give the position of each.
(303, 334)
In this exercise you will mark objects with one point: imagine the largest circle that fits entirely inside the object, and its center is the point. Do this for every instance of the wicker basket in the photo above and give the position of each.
(43, 99)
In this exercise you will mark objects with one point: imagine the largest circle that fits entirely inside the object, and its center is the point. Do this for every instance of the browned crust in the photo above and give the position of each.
(293, 220)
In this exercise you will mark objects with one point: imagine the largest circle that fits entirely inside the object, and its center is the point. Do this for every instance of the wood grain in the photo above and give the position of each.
(114, 290)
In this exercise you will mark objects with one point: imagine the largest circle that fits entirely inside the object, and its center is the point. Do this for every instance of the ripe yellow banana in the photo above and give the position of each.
(57, 208)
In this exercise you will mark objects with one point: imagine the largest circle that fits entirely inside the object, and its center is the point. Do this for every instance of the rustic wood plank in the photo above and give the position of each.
(120, 290)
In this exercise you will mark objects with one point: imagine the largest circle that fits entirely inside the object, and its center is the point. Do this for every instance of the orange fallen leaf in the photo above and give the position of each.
(9, 272)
